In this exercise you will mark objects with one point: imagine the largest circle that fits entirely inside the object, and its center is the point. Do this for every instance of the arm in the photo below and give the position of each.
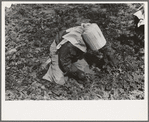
(108, 54)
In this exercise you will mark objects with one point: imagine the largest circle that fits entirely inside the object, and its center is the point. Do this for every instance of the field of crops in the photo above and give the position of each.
(31, 28)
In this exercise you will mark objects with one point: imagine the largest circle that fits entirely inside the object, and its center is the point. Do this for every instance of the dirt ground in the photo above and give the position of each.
(31, 28)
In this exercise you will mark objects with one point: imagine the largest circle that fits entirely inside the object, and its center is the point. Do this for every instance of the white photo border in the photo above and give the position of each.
(73, 110)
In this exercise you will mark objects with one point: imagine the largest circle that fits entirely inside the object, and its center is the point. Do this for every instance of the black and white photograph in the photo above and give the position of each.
(74, 51)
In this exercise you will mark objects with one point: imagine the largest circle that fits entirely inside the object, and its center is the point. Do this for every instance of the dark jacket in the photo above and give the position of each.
(68, 54)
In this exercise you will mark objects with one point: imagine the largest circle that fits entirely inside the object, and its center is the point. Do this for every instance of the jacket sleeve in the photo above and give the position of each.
(68, 54)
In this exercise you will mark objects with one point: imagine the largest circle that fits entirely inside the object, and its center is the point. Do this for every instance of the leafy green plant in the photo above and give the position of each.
(31, 28)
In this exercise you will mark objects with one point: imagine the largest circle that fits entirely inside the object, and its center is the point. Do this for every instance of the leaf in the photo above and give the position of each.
(9, 95)
(121, 90)
(108, 86)
(11, 51)
(106, 95)
(132, 97)
(33, 74)
(96, 98)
